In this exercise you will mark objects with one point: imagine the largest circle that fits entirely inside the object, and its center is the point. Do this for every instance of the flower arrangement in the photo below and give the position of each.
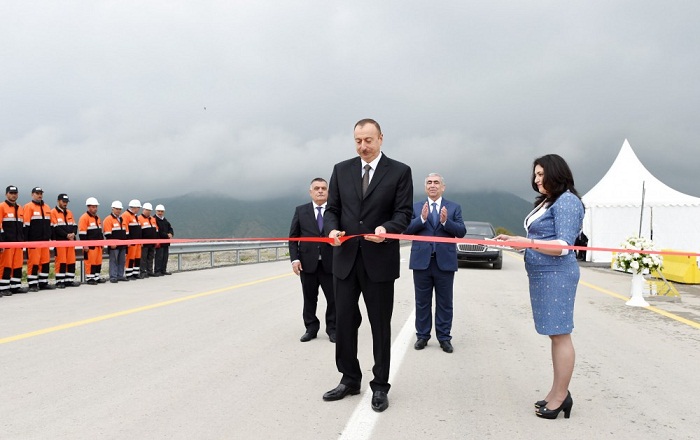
(636, 260)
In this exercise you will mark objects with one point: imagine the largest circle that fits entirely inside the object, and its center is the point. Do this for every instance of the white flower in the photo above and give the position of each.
(638, 260)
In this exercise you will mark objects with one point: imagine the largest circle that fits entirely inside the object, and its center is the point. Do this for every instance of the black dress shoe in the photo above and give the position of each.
(446, 346)
(566, 405)
(340, 392)
(306, 337)
(380, 401)
(331, 337)
(420, 344)
(167, 273)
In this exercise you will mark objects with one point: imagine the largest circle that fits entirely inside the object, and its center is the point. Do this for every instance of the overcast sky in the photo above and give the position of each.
(147, 99)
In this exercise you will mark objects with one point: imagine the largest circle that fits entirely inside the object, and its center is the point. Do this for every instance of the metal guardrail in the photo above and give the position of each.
(230, 253)
(241, 252)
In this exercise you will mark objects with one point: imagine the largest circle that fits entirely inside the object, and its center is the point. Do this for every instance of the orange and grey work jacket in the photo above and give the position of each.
(62, 224)
(115, 228)
(149, 227)
(37, 221)
(89, 227)
(134, 229)
(12, 228)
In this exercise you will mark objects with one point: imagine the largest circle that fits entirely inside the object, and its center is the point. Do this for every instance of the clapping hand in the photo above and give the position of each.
(425, 212)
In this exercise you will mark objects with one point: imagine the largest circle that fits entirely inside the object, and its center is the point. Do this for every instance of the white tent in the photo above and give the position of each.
(614, 208)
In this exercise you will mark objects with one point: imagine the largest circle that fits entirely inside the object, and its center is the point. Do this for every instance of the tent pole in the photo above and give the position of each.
(641, 213)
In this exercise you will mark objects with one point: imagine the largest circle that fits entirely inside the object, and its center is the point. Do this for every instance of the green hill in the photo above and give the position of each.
(216, 216)
(501, 209)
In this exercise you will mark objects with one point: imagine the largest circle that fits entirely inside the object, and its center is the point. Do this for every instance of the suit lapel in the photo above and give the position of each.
(379, 173)
(544, 214)
(356, 172)
(310, 215)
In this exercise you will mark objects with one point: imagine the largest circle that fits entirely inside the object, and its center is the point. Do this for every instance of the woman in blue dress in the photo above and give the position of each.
(553, 272)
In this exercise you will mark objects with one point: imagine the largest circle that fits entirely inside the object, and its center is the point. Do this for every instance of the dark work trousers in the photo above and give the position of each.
(310, 283)
(117, 261)
(379, 300)
(161, 263)
(424, 282)
(148, 253)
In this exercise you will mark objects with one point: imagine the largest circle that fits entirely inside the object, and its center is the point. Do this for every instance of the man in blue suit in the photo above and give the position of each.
(434, 264)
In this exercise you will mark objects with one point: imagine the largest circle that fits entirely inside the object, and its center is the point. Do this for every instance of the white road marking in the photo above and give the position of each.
(363, 419)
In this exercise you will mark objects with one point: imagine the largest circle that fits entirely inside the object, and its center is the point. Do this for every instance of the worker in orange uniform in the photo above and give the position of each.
(90, 228)
(63, 228)
(116, 228)
(133, 253)
(12, 229)
(37, 227)
(149, 230)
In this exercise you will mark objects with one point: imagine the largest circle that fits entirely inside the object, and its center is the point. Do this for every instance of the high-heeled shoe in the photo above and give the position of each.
(565, 406)
(540, 403)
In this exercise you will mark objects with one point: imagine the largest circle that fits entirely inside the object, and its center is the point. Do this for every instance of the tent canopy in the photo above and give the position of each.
(614, 209)
(622, 186)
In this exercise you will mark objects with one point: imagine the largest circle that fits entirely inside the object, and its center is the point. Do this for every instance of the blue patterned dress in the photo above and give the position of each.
(553, 279)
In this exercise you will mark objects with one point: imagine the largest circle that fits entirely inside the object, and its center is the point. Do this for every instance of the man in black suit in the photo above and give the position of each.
(370, 194)
(313, 261)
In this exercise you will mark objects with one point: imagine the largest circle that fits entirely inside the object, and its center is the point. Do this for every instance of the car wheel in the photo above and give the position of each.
(498, 263)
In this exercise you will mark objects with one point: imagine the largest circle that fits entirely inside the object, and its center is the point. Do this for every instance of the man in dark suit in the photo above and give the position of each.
(370, 194)
(313, 261)
(434, 264)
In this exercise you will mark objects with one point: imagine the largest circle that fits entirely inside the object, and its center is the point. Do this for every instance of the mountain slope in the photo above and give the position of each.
(216, 216)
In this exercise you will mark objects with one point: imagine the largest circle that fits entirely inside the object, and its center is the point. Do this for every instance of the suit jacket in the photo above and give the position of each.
(386, 203)
(304, 225)
(562, 221)
(445, 253)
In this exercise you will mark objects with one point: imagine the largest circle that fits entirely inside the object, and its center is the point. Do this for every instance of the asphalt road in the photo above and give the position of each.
(215, 354)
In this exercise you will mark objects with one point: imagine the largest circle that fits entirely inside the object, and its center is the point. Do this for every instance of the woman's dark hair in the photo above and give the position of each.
(557, 178)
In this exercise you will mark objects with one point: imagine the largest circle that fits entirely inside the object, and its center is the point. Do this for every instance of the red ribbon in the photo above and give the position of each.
(485, 242)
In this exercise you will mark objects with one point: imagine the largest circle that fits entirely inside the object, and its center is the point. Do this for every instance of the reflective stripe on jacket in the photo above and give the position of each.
(37, 221)
(62, 224)
(12, 228)
(89, 227)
